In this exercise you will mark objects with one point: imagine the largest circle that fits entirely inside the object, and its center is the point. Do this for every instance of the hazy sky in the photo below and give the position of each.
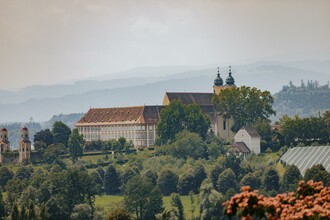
(45, 41)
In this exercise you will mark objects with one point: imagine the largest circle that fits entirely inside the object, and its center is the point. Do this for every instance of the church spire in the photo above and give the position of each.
(218, 80)
(230, 81)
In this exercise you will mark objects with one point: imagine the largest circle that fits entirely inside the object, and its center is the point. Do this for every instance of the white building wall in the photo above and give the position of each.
(243, 136)
(253, 143)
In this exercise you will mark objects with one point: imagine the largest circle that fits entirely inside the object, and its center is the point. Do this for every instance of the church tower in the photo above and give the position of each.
(218, 84)
(4, 143)
(224, 123)
(230, 81)
(24, 149)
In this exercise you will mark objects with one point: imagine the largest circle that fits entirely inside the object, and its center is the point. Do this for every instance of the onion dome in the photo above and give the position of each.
(3, 129)
(218, 81)
(230, 81)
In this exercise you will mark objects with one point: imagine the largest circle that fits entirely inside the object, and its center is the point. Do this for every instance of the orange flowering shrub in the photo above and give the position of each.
(310, 201)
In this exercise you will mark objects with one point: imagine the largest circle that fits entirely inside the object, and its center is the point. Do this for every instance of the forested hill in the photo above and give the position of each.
(308, 99)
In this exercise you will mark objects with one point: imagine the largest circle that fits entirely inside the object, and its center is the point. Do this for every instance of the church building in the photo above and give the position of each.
(138, 123)
(220, 125)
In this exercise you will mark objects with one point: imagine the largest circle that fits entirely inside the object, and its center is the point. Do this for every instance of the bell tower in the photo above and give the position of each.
(218, 84)
(4, 143)
(24, 149)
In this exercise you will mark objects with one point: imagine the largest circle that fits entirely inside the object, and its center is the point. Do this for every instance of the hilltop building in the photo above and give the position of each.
(24, 149)
(220, 125)
(138, 124)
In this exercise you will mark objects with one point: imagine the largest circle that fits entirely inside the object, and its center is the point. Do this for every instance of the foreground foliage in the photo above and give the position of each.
(310, 201)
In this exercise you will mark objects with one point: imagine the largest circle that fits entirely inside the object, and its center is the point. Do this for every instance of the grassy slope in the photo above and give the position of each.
(111, 202)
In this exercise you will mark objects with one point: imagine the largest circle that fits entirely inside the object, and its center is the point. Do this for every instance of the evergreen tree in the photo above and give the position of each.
(15, 214)
(251, 180)
(318, 173)
(186, 184)
(167, 182)
(291, 178)
(111, 180)
(75, 144)
(271, 181)
(177, 203)
(61, 133)
(226, 181)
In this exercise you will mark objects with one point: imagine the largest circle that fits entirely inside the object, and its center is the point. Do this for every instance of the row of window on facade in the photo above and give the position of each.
(116, 128)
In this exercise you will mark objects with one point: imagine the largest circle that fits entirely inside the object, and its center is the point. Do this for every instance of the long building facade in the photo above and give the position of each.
(136, 124)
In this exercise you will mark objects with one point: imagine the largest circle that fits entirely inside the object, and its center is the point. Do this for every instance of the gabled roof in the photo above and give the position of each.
(190, 98)
(127, 115)
(251, 131)
(240, 147)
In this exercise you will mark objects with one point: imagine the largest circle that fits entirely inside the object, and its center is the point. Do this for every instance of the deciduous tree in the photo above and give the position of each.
(244, 104)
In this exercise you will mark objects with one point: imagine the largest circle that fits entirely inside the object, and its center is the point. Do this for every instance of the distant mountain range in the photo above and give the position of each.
(146, 86)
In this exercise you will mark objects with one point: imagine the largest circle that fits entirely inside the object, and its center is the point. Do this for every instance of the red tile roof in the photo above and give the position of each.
(122, 115)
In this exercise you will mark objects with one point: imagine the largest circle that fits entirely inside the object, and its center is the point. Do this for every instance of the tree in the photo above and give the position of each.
(226, 180)
(122, 142)
(251, 180)
(177, 117)
(40, 146)
(2, 206)
(5, 176)
(44, 136)
(200, 175)
(75, 144)
(53, 152)
(244, 104)
(233, 162)
(128, 174)
(24, 172)
(215, 172)
(155, 203)
(167, 182)
(111, 180)
(118, 214)
(142, 199)
(15, 214)
(310, 201)
(152, 176)
(291, 178)
(171, 121)
(61, 133)
(177, 203)
(97, 181)
(82, 211)
(210, 202)
(196, 121)
(186, 184)
(318, 173)
(186, 145)
(271, 180)
(69, 188)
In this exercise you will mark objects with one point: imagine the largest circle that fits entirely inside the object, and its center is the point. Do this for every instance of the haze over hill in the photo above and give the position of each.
(42, 102)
